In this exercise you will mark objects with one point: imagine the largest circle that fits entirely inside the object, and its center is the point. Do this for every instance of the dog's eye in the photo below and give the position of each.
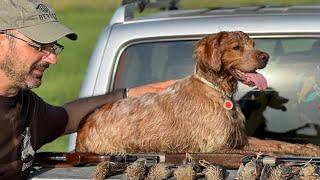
(236, 48)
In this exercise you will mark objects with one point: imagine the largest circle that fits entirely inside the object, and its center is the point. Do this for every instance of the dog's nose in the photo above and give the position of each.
(263, 57)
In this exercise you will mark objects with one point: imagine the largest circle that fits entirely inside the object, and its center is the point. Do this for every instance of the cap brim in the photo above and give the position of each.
(48, 32)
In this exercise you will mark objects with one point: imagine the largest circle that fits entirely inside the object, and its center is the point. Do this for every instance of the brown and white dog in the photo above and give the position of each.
(196, 114)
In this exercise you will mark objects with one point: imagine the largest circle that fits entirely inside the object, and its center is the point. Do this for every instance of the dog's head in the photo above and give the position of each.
(232, 53)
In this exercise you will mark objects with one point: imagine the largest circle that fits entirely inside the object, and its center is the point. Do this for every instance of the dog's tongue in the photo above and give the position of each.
(258, 79)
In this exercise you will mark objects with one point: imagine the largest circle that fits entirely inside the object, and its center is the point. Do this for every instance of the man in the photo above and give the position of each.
(29, 31)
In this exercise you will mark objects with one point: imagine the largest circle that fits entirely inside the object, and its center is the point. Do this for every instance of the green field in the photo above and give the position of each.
(62, 82)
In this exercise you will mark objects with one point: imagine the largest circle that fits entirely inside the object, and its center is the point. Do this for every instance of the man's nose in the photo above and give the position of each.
(52, 58)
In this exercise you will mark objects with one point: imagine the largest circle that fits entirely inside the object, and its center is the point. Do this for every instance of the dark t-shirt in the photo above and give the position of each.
(26, 123)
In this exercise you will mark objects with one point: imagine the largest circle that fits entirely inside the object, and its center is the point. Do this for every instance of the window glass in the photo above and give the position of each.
(289, 110)
(150, 62)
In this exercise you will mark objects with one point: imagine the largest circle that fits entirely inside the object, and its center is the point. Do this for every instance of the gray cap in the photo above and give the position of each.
(33, 18)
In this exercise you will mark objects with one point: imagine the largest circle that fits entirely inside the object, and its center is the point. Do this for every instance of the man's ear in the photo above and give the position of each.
(208, 51)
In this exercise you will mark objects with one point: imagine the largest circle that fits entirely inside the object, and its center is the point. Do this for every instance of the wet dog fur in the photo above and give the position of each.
(189, 116)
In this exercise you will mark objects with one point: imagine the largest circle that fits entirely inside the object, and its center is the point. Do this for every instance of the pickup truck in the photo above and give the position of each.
(133, 51)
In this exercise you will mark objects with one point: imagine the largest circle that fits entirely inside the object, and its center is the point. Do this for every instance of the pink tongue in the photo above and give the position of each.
(258, 79)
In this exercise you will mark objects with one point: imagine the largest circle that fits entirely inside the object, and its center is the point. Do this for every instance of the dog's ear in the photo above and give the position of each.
(208, 52)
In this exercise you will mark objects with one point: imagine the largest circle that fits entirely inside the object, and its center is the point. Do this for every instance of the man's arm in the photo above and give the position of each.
(78, 109)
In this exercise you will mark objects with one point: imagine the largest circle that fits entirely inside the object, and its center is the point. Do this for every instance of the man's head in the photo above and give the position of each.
(29, 31)
(33, 18)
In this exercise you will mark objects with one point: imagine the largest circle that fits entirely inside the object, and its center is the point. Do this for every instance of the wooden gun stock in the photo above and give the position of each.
(61, 159)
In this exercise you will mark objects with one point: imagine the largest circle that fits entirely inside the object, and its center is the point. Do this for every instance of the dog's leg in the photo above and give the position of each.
(281, 148)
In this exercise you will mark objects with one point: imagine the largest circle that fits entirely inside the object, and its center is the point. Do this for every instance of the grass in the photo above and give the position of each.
(62, 82)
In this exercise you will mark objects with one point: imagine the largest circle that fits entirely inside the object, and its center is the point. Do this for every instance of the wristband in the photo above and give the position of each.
(125, 92)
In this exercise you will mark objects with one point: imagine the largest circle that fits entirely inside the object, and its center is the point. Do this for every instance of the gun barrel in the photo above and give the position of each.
(273, 161)
(312, 160)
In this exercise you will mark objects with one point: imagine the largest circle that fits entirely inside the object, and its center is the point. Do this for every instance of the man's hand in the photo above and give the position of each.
(150, 88)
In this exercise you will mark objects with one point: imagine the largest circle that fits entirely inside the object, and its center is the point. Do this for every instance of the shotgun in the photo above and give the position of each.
(228, 159)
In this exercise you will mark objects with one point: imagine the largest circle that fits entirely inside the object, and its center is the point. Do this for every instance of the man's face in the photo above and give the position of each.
(22, 64)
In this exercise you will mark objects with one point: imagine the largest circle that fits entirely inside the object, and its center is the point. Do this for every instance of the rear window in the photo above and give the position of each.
(289, 110)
